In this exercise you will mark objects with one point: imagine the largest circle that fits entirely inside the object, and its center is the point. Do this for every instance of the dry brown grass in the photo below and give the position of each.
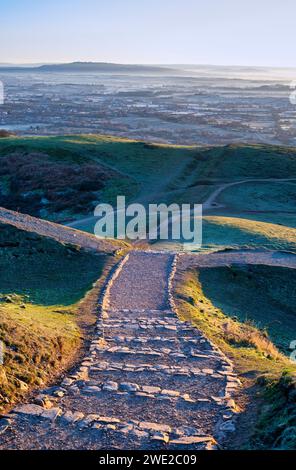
(246, 334)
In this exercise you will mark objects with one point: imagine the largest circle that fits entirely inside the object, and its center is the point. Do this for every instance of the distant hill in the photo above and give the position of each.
(102, 67)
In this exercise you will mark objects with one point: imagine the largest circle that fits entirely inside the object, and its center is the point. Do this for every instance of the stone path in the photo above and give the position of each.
(149, 380)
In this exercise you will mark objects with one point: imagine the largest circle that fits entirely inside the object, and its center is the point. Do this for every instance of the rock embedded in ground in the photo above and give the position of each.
(110, 386)
(129, 387)
(29, 409)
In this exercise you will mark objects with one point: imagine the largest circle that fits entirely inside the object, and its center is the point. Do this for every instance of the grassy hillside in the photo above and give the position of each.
(50, 179)
(63, 178)
(235, 162)
(136, 161)
(41, 282)
(260, 294)
(140, 160)
(260, 196)
(45, 271)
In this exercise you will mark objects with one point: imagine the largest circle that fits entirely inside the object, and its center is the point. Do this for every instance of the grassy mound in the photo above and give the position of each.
(247, 339)
(4, 133)
(41, 282)
(236, 233)
(45, 178)
(38, 342)
(63, 178)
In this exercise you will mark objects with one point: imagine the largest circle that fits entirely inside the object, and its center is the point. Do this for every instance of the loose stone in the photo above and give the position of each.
(129, 387)
(110, 386)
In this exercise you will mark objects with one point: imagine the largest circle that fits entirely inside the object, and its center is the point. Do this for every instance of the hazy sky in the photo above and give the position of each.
(233, 32)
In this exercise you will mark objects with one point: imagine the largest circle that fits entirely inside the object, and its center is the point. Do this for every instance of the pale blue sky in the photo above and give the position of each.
(230, 32)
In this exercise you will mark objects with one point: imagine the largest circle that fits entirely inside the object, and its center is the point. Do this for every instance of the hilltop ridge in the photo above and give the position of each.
(90, 67)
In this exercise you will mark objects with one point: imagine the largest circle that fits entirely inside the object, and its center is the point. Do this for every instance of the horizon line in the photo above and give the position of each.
(38, 64)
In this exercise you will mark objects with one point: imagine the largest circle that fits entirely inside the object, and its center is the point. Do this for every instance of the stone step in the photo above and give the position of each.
(178, 344)
(152, 328)
(141, 392)
(168, 360)
(154, 432)
(108, 431)
(186, 370)
(132, 315)
(169, 331)
(159, 356)
(142, 312)
(77, 431)
(154, 383)
(185, 341)
(173, 353)
(141, 322)
(117, 327)
(197, 387)
(136, 406)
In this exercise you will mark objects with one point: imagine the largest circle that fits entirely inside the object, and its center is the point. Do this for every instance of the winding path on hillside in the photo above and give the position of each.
(147, 194)
(211, 202)
(208, 205)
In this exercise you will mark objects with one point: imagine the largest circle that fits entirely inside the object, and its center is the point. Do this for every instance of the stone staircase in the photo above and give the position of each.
(149, 381)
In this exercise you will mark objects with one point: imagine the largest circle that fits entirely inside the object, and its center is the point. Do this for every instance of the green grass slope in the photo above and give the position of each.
(234, 162)
(263, 295)
(265, 197)
(41, 282)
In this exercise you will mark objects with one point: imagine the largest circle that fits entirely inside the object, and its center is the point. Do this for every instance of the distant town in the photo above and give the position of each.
(198, 105)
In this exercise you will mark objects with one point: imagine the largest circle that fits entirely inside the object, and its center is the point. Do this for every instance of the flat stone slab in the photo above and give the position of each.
(151, 389)
(91, 389)
(171, 393)
(51, 414)
(107, 419)
(154, 427)
(189, 440)
(30, 410)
